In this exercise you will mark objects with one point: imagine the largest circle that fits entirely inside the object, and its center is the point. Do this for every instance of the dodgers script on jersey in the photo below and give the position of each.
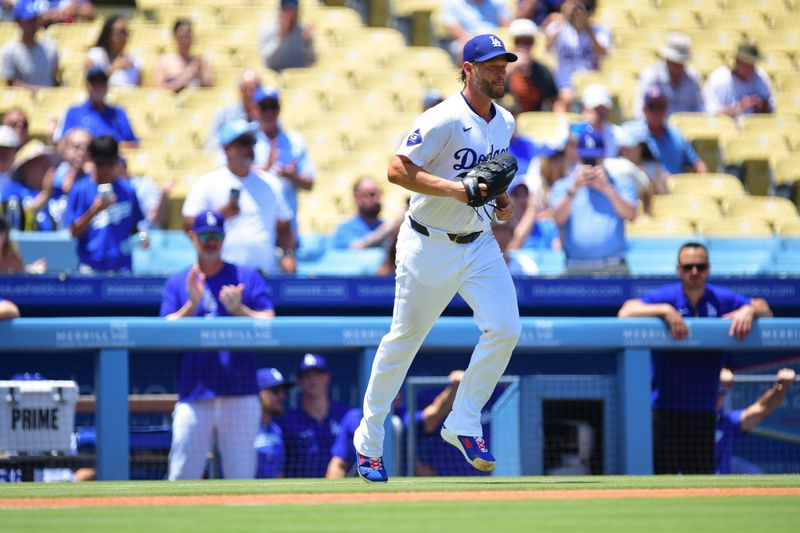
(448, 140)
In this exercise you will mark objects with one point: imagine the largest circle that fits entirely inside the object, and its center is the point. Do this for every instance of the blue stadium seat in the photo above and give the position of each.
(657, 244)
(787, 262)
(343, 263)
(791, 243)
(156, 260)
(742, 245)
(733, 262)
(58, 248)
(550, 262)
(653, 261)
(312, 246)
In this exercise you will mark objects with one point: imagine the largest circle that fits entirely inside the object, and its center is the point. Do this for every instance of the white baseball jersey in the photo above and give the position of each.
(448, 140)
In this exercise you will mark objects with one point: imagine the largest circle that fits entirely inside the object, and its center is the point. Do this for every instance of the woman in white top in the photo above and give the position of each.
(181, 69)
(109, 53)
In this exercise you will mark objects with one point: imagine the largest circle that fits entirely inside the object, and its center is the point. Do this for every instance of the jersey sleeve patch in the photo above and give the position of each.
(414, 138)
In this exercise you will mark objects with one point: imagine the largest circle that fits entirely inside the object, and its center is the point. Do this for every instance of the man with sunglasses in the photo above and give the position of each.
(685, 382)
(269, 442)
(217, 390)
(257, 217)
(103, 212)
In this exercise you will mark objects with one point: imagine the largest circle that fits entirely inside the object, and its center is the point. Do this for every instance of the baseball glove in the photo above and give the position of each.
(495, 173)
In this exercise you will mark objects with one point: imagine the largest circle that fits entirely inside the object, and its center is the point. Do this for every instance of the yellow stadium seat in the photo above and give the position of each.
(787, 21)
(735, 227)
(772, 7)
(393, 80)
(787, 80)
(771, 209)
(315, 78)
(629, 59)
(706, 60)
(786, 125)
(666, 19)
(786, 41)
(789, 228)
(724, 40)
(716, 186)
(753, 150)
(785, 168)
(16, 97)
(788, 101)
(691, 207)
(776, 61)
(445, 81)
(700, 126)
(741, 20)
(659, 227)
(423, 59)
(544, 126)
(652, 39)
(614, 18)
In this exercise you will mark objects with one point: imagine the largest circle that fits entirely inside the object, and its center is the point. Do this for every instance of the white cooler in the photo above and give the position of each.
(37, 416)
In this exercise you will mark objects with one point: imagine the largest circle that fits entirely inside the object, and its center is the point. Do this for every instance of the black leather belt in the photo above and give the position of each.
(463, 238)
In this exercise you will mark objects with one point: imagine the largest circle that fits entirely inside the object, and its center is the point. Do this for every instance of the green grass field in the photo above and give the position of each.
(680, 514)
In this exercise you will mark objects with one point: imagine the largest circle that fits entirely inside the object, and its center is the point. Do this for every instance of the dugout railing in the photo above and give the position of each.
(631, 340)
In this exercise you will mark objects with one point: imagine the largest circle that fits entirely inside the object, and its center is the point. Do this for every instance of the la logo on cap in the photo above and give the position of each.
(590, 142)
(211, 220)
(309, 360)
(277, 375)
(496, 42)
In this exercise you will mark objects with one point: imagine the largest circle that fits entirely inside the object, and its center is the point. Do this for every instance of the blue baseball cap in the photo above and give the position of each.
(208, 221)
(590, 143)
(631, 133)
(234, 129)
(312, 361)
(25, 10)
(268, 378)
(265, 93)
(485, 47)
(96, 72)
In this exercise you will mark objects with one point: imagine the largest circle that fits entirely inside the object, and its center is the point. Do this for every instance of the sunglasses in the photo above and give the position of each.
(204, 236)
(105, 162)
(655, 107)
(268, 106)
(244, 141)
(688, 267)
(22, 124)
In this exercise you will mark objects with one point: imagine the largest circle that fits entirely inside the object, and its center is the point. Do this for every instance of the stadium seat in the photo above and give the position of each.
(743, 245)
(751, 152)
(666, 19)
(772, 209)
(657, 229)
(735, 227)
(336, 262)
(312, 246)
(743, 20)
(691, 207)
(787, 262)
(715, 185)
(57, 248)
(657, 244)
(544, 126)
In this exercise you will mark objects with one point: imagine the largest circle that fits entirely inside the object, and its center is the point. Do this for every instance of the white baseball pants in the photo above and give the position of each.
(430, 271)
(236, 421)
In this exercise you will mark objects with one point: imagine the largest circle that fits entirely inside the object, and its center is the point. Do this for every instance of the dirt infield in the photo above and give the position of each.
(387, 497)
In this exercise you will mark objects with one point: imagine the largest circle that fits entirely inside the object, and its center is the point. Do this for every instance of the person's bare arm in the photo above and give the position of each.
(8, 310)
(434, 413)
(742, 318)
(337, 468)
(769, 401)
(287, 244)
(406, 174)
(636, 308)
(231, 297)
(83, 222)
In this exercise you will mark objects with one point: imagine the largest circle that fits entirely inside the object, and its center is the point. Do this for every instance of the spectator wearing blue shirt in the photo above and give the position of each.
(269, 441)
(96, 115)
(685, 383)
(732, 423)
(217, 390)
(591, 207)
(365, 228)
(103, 211)
(667, 144)
(32, 187)
(310, 430)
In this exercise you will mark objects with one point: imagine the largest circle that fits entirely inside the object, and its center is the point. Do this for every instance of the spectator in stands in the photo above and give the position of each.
(364, 229)
(74, 150)
(108, 53)
(578, 44)
(281, 152)
(666, 143)
(153, 197)
(96, 115)
(103, 211)
(30, 62)
(9, 144)
(32, 187)
(517, 265)
(741, 89)
(531, 227)
(529, 81)
(310, 430)
(287, 43)
(269, 445)
(217, 390)
(591, 207)
(543, 174)
(8, 309)
(181, 69)
(10, 258)
(597, 104)
(636, 162)
(731, 424)
(247, 109)
(464, 19)
(65, 11)
(679, 82)
(256, 215)
(685, 383)
(538, 10)
(431, 98)
(15, 117)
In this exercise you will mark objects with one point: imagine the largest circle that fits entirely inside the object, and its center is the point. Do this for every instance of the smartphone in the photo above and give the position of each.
(235, 194)
(106, 190)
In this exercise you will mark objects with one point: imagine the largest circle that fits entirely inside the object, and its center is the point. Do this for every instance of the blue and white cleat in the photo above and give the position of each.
(474, 449)
(371, 469)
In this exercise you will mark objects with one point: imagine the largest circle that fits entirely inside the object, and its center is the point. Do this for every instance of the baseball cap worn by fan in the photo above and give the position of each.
(234, 129)
(33, 149)
(312, 361)
(96, 73)
(269, 378)
(265, 93)
(209, 221)
(8, 137)
(590, 144)
(748, 52)
(677, 48)
(596, 95)
(25, 10)
(654, 93)
(523, 28)
(485, 47)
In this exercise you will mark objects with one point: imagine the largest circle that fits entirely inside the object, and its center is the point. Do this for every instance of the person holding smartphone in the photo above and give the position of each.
(590, 207)
(685, 383)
